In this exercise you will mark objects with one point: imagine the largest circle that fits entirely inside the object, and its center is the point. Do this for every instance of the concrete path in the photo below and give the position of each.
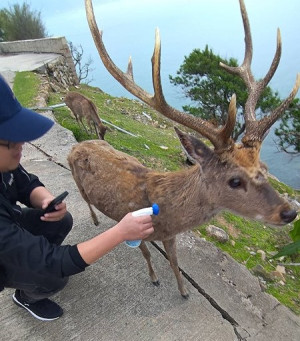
(26, 62)
(114, 299)
(11, 63)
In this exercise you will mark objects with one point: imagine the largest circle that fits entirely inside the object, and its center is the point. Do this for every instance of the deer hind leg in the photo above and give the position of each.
(97, 131)
(170, 247)
(85, 128)
(79, 120)
(147, 255)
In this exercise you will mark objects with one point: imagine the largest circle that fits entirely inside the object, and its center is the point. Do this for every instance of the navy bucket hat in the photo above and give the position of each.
(18, 124)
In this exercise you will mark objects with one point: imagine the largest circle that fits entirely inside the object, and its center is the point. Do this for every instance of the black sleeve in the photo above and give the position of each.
(20, 249)
(77, 259)
(25, 183)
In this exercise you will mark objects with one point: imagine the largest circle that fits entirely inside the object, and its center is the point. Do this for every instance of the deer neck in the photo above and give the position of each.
(183, 196)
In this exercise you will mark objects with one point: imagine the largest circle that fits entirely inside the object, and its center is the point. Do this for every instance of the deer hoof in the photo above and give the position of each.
(185, 296)
(156, 283)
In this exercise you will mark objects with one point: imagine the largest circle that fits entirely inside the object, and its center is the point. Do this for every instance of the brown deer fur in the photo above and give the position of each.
(228, 177)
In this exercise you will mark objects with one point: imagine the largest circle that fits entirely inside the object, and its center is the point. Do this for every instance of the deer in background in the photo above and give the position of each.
(228, 177)
(84, 108)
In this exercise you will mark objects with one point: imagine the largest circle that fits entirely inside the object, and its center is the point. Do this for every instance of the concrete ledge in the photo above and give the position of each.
(53, 45)
(27, 61)
(45, 45)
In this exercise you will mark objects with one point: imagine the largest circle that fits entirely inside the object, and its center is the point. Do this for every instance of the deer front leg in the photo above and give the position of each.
(170, 247)
(147, 255)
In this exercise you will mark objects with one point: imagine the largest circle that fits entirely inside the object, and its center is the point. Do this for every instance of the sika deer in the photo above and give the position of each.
(230, 177)
(84, 108)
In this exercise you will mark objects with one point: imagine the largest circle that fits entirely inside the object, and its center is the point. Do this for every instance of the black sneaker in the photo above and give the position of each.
(45, 310)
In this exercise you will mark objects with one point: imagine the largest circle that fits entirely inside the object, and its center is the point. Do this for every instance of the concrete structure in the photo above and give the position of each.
(42, 55)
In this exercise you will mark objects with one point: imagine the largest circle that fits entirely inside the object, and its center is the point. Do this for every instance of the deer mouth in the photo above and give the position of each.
(282, 218)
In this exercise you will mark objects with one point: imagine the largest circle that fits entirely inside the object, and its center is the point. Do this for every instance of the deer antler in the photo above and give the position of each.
(256, 130)
(220, 137)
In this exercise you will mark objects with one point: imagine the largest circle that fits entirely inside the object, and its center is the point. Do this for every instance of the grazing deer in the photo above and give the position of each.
(230, 177)
(84, 108)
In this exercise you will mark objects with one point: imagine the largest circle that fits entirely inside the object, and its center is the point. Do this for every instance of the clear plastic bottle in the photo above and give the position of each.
(154, 209)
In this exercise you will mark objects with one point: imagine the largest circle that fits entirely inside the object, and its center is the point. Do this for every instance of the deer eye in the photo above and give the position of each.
(235, 182)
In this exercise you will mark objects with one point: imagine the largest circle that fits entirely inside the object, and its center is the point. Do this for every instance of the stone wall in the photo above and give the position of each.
(62, 72)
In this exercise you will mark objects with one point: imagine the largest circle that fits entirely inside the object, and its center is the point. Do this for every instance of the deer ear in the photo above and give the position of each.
(196, 151)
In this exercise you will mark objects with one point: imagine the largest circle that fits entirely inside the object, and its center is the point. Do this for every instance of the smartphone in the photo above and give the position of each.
(55, 201)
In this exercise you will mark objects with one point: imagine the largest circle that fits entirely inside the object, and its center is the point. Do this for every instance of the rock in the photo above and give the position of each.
(281, 269)
(61, 74)
(279, 273)
(262, 254)
(259, 270)
(217, 233)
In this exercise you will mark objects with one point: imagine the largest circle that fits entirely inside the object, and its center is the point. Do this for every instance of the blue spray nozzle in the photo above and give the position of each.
(155, 209)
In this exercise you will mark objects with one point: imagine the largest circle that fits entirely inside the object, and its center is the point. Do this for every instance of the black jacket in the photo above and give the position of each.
(18, 247)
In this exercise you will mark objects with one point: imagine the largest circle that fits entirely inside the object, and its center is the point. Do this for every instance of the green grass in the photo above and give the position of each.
(246, 237)
(283, 188)
(26, 86)
(152, 136)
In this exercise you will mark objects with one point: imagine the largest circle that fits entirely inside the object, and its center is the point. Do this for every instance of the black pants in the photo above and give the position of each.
(40, 287)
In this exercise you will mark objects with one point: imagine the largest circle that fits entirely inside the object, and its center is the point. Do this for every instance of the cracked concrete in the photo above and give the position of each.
(115, 300)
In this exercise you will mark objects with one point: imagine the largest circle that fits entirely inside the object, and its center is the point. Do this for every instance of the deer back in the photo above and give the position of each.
(106, 177)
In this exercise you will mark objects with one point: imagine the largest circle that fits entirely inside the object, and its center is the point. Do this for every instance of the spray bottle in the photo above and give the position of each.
(154, 209)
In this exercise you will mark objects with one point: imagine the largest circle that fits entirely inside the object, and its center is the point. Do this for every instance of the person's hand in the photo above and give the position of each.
(129, 228)
(133, 228)
(58, 214)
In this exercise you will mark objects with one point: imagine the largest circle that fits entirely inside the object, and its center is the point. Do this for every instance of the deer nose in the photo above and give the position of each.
(288, 216)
